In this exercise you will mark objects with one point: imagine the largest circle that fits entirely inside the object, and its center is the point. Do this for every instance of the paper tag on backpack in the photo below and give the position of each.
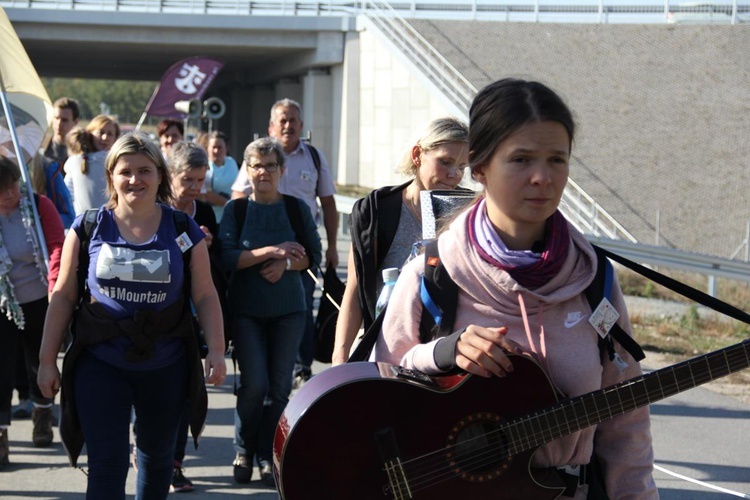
(604, 317)
(183, 241)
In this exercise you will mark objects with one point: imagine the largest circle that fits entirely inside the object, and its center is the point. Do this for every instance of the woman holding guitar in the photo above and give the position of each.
(521, 272)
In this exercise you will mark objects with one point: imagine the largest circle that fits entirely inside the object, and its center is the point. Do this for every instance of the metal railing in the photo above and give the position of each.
(421, 53)
(707, 265)
(589, 217)
(586, 11)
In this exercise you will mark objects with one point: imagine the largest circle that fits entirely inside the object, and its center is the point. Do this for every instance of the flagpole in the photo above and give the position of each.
(24, 172)
(143, 119)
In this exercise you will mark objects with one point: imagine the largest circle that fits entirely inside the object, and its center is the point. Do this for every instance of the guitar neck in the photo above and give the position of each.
(575, 414)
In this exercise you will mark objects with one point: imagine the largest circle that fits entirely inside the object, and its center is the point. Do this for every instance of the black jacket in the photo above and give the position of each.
(92, 324)
(373, 223)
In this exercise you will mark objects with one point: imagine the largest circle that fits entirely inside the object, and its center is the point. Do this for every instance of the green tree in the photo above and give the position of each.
(124, 99)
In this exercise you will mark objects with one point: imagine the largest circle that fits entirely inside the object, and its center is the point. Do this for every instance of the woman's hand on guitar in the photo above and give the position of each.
(483, 351)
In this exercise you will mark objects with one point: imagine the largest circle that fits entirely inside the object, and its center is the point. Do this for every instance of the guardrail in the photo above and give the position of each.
(585, 11)
(707, 265)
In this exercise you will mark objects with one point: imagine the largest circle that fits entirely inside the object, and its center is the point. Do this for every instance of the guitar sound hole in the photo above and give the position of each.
(478, 448)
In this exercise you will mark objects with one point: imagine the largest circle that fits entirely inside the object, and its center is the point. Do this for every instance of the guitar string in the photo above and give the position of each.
(481, 462)
(421, 470)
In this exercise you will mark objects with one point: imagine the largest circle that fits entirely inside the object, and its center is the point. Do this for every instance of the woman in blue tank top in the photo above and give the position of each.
(134, 345)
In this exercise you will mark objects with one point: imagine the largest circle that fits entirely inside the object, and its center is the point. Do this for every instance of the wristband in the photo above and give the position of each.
(288, 263)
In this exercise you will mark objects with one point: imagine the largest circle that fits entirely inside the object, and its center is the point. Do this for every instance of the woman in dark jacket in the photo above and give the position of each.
(386, 223)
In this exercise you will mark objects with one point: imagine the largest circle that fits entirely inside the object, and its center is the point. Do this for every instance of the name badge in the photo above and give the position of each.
(183, 241)
(604, 317)
(305, 175)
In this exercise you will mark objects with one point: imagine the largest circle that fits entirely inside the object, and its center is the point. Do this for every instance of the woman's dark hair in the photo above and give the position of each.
(165, 124)
(9, 172)
(217, 134)
(504, 107)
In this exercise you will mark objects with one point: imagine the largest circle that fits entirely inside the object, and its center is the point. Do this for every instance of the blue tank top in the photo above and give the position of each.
(124, 278)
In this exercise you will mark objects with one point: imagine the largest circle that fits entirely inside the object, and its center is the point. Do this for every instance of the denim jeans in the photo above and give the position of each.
(104, 396)
(265, 350)
(307, 344)
(10, 339)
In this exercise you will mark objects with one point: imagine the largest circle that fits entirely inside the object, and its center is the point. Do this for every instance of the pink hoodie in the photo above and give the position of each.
(560, 336)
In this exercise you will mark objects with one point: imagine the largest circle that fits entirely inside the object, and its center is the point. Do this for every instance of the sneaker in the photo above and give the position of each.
(4, 448)
(243, 471)
(266, 474)
(180, 484)
(42, 432)
(301, 376)
(22, 409)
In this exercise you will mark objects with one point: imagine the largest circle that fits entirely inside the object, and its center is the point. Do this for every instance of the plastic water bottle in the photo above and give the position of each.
(390, 276)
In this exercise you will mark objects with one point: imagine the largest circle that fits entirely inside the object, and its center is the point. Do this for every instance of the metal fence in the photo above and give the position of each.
(586, 11)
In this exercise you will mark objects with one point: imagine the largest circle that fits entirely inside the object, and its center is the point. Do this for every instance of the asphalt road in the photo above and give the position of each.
(699, 435)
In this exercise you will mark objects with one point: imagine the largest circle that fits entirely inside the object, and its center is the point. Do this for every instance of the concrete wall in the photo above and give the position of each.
(394, 103)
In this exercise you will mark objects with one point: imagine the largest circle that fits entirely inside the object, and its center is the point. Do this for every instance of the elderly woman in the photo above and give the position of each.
(188, 164)
(188, 167)
(268, 240)
(24, 284)
(134, 345)
(386, 222)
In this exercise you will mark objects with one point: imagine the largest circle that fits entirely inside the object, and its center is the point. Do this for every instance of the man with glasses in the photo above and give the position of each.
(302, 179)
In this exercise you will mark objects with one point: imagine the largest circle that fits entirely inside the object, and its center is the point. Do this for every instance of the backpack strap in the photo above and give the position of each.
(316, 161)
(294, 212)
(439, 294)
(598, 289)
(87, 228)
(181, 225)
(240, 212)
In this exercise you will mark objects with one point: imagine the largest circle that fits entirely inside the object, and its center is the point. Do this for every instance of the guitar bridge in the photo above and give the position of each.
(398, 484)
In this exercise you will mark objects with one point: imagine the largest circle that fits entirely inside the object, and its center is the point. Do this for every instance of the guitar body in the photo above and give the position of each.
(330, 440)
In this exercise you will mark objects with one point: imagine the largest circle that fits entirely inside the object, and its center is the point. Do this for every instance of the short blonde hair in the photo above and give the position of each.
(434, 134)
(100, 121)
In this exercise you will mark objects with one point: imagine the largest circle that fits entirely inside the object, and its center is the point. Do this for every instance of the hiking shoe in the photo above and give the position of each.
(42, 433)
(22, 409)
(180, 484)
(4, 448)
(243, 470)
(266, 474)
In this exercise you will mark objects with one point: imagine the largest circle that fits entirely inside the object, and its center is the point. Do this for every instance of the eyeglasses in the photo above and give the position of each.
(269, 167)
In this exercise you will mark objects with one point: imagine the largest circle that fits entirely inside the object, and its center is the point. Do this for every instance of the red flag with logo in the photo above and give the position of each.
(185, 80)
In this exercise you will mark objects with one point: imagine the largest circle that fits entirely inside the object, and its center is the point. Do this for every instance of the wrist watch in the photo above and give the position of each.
(288, 263)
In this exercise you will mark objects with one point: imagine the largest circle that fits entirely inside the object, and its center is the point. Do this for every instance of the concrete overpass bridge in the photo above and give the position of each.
(662, 107)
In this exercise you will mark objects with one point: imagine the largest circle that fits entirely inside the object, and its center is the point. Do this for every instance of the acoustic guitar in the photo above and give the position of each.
(377, 431)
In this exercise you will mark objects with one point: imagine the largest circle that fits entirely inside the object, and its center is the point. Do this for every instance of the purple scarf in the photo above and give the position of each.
(550, 261)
